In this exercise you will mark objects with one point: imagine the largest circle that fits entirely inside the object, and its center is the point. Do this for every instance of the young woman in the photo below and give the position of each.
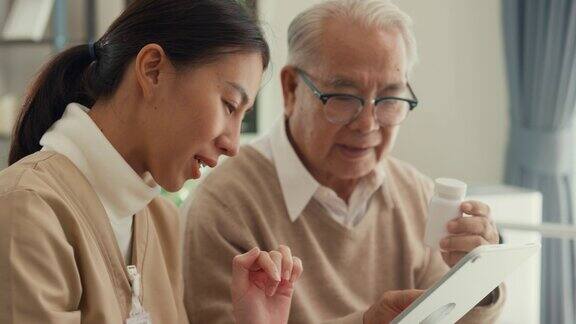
(84, 235)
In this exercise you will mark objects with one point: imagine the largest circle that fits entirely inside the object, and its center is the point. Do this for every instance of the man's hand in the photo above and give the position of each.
(390, 305)
(467, 233)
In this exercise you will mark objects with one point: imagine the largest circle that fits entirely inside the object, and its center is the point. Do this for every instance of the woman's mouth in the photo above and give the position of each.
(199, 163)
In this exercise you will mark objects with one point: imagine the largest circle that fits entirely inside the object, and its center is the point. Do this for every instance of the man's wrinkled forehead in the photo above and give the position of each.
(349, 52)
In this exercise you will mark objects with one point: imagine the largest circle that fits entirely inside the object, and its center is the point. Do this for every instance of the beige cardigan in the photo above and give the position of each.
(59, 261)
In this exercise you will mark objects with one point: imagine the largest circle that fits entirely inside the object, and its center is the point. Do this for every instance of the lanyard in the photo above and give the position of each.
(137, 312)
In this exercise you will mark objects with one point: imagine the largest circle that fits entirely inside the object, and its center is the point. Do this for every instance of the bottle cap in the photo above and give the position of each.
(450, 188)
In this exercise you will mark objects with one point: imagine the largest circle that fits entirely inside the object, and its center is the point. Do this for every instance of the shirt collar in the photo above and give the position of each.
(298, 185)
(121, 190)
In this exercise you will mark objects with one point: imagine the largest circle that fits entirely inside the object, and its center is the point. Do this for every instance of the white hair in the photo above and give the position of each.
(305, 31)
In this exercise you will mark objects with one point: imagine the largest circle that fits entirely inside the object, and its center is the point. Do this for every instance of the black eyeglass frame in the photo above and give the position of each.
(324, 97)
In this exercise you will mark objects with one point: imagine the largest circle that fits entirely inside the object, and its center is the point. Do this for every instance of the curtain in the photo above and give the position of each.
(540, 47)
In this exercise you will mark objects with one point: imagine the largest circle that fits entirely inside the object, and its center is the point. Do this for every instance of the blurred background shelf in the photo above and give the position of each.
(58, 35)
(12, 42)
(71, 22)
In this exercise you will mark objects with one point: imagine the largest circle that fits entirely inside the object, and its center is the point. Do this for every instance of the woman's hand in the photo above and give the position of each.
(262, 285)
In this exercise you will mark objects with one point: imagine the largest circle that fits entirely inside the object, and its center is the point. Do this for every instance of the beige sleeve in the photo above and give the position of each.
(214, 235)
(39, 280)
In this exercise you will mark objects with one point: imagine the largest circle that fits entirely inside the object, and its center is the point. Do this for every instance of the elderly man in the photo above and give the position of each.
(323, 183)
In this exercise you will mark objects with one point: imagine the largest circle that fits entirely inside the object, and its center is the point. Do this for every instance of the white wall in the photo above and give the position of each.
(459, 130)
(107, 11)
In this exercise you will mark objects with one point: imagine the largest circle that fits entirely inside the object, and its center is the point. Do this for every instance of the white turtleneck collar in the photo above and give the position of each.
(121, 190)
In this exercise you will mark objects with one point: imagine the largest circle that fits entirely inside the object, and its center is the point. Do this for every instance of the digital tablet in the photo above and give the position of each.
(466, 284)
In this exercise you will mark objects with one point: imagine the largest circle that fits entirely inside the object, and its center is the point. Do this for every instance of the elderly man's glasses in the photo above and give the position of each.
(341, 108)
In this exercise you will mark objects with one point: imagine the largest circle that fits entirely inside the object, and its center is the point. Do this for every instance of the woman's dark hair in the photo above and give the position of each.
(191, 32)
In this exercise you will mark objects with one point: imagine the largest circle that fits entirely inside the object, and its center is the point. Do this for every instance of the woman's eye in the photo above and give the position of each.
(231, 108)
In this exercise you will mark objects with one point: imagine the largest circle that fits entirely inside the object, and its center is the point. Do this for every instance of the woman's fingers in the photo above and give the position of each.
(267, 270)
(297, 269)
(273, 284)
(266, 263)
(242, 263)
(287, 262)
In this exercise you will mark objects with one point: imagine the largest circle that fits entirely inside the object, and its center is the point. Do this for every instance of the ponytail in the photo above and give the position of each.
(60, 82)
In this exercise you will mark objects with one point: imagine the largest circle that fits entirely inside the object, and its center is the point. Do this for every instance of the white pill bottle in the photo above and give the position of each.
(444, 206)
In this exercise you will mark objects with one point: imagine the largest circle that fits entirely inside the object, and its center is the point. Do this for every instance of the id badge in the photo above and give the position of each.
(142, 318)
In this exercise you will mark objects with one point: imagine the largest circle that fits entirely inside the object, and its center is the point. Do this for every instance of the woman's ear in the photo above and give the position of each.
(150, 61)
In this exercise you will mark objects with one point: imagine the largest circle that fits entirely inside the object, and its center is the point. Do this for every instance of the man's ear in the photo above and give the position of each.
(289, 76)
(149, 62)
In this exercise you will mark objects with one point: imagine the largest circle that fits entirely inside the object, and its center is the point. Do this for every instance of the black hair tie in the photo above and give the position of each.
(92, 51)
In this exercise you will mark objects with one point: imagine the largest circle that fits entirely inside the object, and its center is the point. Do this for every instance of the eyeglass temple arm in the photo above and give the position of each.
(309, 83)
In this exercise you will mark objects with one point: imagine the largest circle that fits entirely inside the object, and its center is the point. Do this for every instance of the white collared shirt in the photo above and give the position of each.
(299, 186)
(121, 191)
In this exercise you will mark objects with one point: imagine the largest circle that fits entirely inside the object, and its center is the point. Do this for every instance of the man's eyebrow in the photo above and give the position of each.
(394, 87)
(344, 82)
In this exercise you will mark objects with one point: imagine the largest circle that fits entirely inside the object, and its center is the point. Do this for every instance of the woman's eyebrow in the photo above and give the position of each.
(239, 88)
